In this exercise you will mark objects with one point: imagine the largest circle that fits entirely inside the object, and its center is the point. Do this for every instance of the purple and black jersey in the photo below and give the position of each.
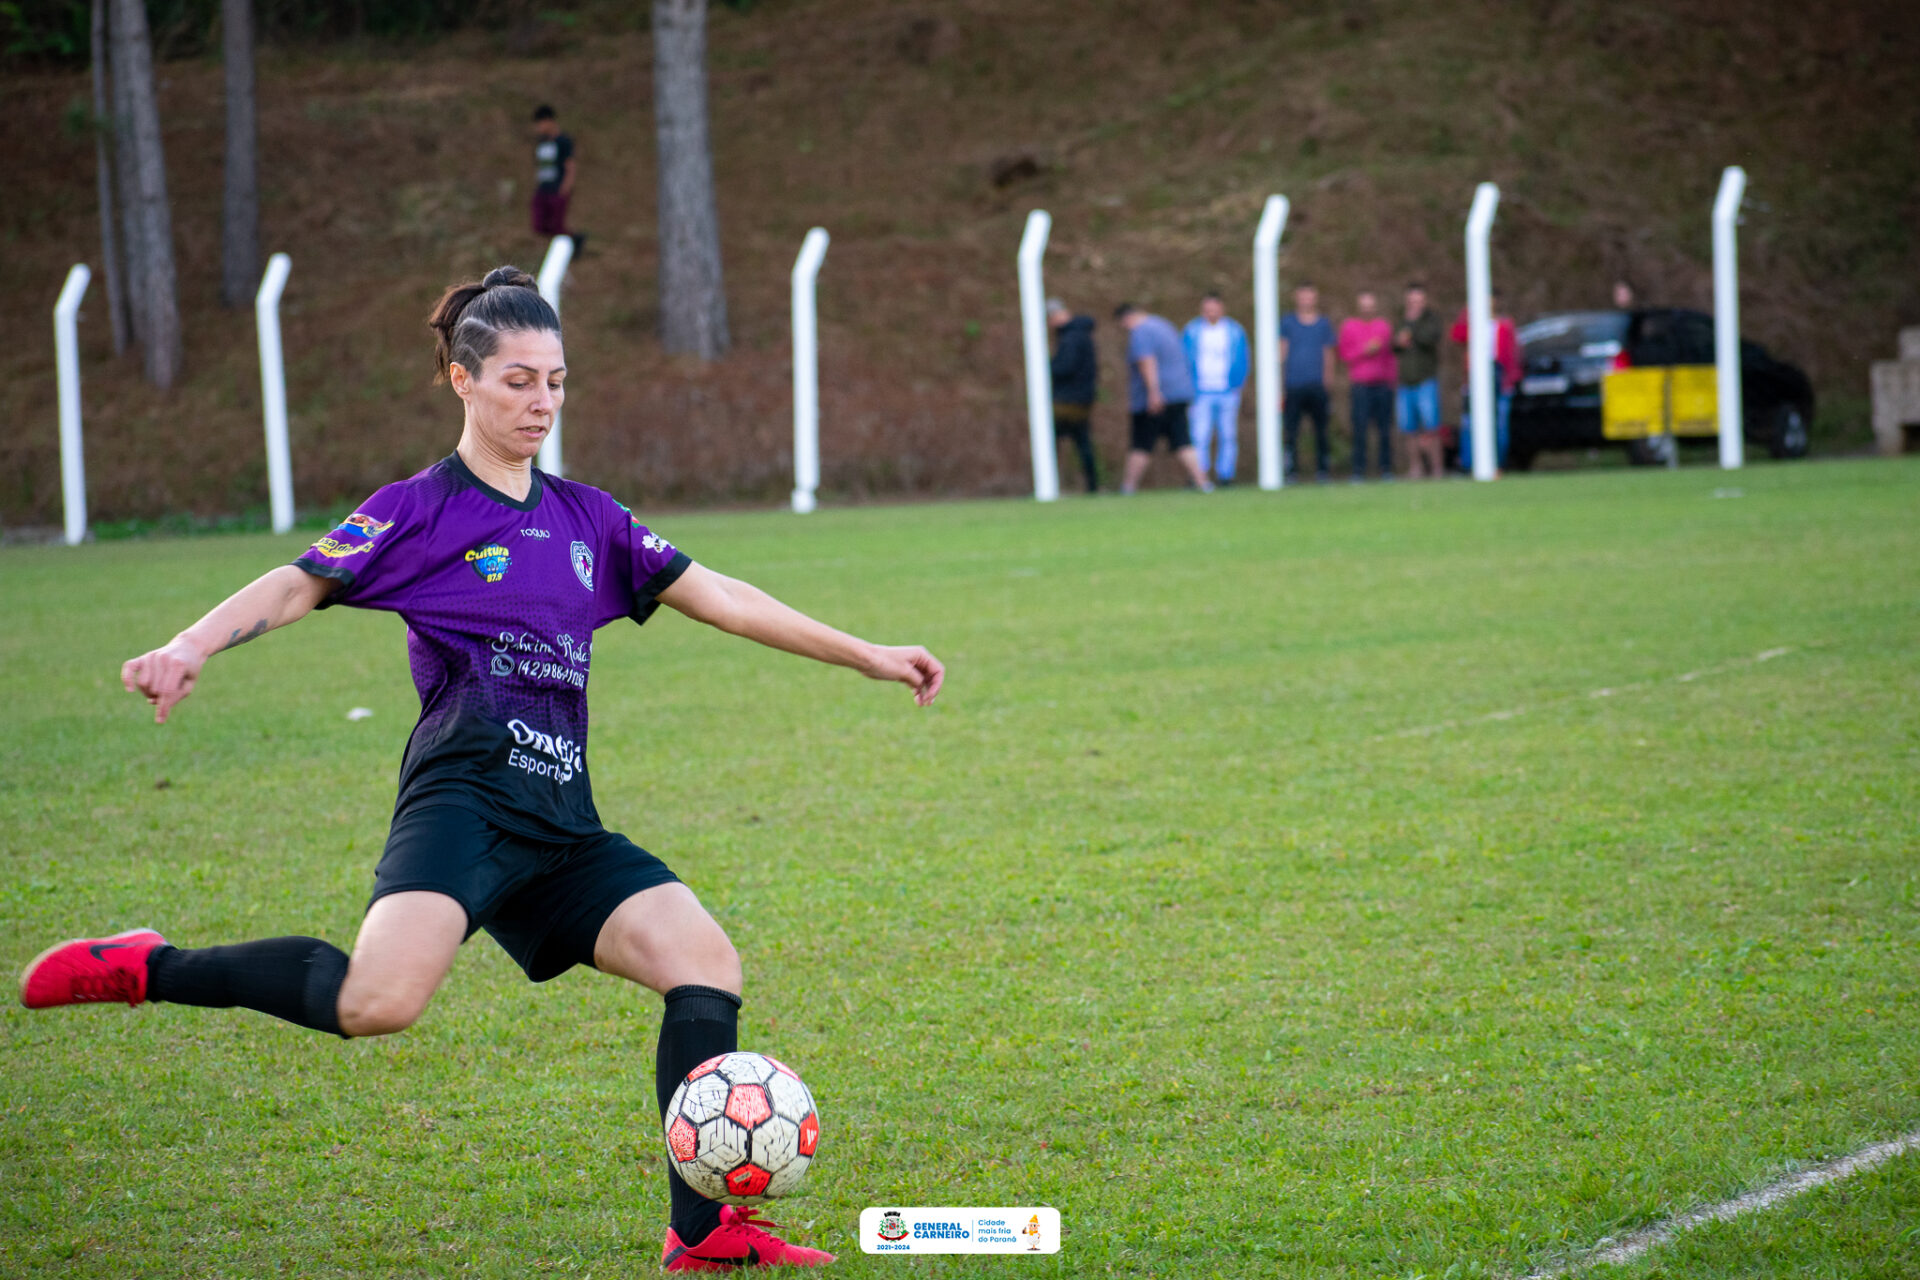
(501, 600)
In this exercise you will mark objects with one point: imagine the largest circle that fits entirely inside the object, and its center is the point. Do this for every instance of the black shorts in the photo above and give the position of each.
(1170, 422)
(543, 903)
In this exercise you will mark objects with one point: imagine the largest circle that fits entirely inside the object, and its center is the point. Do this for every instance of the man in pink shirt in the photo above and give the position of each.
(1366, 348)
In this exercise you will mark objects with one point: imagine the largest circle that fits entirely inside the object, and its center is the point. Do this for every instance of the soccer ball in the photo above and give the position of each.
(742, 1128)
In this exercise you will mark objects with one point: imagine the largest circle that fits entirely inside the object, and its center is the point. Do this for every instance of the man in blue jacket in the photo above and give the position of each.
(1076, 378)
(1217, 356)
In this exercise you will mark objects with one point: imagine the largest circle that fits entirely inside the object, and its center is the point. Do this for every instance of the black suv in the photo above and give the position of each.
(1557, 405)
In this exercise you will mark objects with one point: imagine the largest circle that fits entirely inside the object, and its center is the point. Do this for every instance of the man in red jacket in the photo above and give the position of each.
(1506, 377)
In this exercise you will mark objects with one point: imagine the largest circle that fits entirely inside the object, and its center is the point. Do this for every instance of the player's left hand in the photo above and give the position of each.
(911, 665)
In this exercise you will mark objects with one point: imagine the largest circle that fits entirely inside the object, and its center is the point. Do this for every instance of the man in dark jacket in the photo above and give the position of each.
(1076, 376)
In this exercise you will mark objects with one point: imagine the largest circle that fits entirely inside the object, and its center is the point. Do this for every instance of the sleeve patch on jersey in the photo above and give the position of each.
(334, 549)
(356, 534)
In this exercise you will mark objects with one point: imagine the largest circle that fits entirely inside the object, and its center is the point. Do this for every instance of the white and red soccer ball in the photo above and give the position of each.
(742, 1128)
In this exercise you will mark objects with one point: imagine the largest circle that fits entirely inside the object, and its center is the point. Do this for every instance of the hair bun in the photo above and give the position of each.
(508, 277)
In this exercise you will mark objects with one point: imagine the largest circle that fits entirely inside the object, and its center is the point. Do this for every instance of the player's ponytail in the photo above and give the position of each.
(469, 318)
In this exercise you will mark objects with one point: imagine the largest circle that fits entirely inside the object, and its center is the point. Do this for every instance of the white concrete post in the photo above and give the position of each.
(1486, 199)
(1726, 315)
(273, 390)
(1266, 340)
(553, 274)
(1033, 324)
(66, 355)
(806, 371)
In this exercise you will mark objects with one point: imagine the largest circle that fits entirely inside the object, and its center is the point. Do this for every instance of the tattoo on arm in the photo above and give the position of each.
(239, 638)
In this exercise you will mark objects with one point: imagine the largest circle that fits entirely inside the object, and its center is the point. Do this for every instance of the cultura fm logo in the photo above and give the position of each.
(490, 562)
(893, 1225)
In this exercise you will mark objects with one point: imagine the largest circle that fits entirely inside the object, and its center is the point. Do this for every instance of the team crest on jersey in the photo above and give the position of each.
(490, 562)
(582, 556)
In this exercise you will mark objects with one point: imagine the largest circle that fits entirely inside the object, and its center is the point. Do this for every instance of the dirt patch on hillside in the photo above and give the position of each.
(920, 138)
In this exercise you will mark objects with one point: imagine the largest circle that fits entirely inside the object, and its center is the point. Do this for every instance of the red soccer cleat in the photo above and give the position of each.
(740, 1240)
(90, 971)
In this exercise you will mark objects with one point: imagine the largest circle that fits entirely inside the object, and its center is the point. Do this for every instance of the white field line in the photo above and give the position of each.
(1613, 1252)
(1614, 691)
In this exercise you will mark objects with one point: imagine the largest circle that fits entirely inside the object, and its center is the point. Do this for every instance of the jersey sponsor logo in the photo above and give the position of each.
(524, 643)
(491, 562)
(547, 756)
(353, 536)
(535, 533)
(582, 557)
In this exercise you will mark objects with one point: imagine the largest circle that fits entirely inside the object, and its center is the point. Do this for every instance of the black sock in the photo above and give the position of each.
(293, 978)
(700, 1023)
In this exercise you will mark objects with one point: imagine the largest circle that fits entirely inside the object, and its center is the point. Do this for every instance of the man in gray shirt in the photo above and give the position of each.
(1159, 389)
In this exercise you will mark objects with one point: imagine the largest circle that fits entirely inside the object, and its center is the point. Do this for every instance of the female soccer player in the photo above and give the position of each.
(502, 573)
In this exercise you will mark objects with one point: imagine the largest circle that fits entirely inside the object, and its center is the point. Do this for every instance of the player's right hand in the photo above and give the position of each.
(164, 676)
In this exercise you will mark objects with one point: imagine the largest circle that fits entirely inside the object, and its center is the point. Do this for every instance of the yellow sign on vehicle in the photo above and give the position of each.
(1658, 400)
(1633, 404)
(1695, 401)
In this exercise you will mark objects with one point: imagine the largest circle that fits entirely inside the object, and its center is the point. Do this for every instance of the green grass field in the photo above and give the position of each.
(1398, 881)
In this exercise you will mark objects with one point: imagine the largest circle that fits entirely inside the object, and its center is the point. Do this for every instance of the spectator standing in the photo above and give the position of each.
(1217, 358)
(1416, 344)
(1622, 295)
(1159, 389)
(1306, 359)
(1366, 348)
(1506, 377)
(1076, 379)
(554, 170)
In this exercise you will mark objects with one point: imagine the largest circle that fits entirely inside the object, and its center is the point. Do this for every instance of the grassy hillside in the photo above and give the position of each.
(1151, 131)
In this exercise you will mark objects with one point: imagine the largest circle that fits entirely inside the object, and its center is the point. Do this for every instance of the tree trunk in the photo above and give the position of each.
(103, 165)
(693, 300)
(155, 285)
(133, 255)
(240, 213)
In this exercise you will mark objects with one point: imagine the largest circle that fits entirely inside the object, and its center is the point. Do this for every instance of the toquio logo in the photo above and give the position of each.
(564, 757)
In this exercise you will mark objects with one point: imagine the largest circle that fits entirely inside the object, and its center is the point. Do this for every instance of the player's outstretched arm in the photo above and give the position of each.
(167, 674)
(742, 609)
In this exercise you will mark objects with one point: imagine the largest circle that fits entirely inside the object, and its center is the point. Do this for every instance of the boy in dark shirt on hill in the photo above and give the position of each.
(554, 169)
